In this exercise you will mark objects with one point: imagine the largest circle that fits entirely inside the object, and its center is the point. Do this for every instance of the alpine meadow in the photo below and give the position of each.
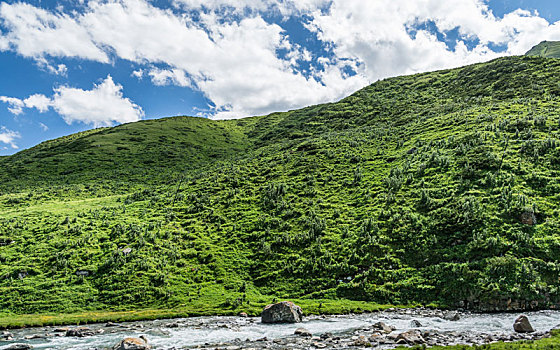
(439, 188)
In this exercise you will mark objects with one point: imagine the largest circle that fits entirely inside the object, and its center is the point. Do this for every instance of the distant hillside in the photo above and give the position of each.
(439, 187)
(550, 49)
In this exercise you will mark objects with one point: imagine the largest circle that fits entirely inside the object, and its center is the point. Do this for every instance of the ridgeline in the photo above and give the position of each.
(439, 188)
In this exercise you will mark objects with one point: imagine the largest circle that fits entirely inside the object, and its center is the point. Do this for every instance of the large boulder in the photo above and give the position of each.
(411, 337)
(140, 343)
(284, 312)
(522, 325)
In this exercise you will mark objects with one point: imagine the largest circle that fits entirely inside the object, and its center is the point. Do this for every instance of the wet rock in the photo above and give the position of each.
(19, 347)
(381, 326)
(7, 335)
(243, 314)
(111, 324)
(452, 316)
(35, 336)
(303, 332)
(140, 343)
(284, 312)
(522, 325)
(61, 330)
(415, 324)
(411, 337)
(319, 345)
(361, 341)
(79, 332)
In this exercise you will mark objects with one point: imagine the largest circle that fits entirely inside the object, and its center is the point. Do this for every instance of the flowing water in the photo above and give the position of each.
(191, 332)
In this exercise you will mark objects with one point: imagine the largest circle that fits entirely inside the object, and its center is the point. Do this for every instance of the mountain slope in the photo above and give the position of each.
(437, 187)
(549, 49)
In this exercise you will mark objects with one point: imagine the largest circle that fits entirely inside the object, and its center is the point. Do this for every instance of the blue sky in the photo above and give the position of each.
(68, 66)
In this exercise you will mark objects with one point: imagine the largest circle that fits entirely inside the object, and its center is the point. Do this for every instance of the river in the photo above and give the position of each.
(218, 331)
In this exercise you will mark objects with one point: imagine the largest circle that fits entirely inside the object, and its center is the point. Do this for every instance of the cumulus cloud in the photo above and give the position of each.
(35, 32)
(247, 65)
(103, 105)
(8, 137)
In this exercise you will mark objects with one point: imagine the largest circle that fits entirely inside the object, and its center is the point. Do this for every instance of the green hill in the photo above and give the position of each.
(550, 49)
(439, 187)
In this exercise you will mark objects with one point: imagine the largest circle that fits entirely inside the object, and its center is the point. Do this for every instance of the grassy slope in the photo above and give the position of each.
(410, 190)
(550, 49)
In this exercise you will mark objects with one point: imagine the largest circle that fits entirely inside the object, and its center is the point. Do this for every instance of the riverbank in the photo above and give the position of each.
(310, 307)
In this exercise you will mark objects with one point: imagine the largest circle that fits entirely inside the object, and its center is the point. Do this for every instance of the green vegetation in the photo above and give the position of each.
(439, 188)
(550, 49)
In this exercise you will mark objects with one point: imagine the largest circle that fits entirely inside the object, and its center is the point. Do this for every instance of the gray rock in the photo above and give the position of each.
(381, 326)
(284, 312)
(528, 218)
(303, 332)
(415, 324)
(452, 316)
(79, 332)
(19, 347)
(522, 325)
(411, 337)
(140, 343)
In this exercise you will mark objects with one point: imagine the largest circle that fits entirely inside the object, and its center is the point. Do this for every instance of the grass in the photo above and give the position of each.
(310, 307)
(439, 187)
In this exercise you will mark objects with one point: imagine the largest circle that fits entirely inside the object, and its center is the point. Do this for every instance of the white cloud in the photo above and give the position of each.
(35, 32)
(15, 104)
(234, 59)
(43, 127)
(38, 101)
(161, 77)
(104, 105)
(8, 137)
(138, 74)
(101, 106)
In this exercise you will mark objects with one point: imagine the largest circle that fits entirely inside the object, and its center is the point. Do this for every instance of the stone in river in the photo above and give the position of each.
(19, 347)
(522, 325)
(284, 312)
(412, 337)
(302, 332)
(140, 343)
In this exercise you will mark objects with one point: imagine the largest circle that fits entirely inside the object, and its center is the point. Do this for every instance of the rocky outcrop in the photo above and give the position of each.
(140, 343)
(528, 218)
(522, 325)
(284, 312)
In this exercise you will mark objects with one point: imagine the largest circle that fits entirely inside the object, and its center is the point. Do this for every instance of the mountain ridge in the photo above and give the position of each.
(547, 49)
